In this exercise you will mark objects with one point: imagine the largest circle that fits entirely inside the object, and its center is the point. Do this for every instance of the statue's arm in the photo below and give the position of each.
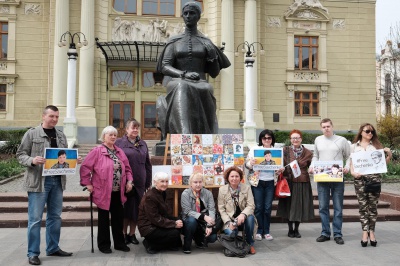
(168, 62)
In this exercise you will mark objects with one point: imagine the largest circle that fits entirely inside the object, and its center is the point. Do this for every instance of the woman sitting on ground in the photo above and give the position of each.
(198, 211)
(236, 205)
(159, 229)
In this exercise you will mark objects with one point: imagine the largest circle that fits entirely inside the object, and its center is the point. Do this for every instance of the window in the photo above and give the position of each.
(306, 53)
(159, 7)
(3, 97)
(388, 85)
(126, 6)
(4, 39)
(122, 78)
(148, 79)
(306, 104)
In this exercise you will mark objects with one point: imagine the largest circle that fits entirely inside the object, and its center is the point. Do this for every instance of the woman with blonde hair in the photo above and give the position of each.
(198, 208)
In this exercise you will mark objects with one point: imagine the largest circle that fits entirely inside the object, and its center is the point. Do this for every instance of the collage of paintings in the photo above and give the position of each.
(209, 154)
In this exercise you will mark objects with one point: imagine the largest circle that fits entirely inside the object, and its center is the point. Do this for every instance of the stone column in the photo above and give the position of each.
(60, 55)
(85, 113)
(228, 117)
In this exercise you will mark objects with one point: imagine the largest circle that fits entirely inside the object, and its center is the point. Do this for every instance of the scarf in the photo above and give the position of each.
(197, 195)
(297, 151)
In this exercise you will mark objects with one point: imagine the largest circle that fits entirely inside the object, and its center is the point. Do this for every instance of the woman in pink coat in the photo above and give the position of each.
(107, 175)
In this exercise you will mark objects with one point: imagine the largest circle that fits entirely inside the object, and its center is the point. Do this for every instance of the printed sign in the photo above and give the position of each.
(369, 162)
(60, 161)
(328, 171)
(268, 159)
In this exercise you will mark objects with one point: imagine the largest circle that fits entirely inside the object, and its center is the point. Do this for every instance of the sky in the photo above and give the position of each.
(387, 15)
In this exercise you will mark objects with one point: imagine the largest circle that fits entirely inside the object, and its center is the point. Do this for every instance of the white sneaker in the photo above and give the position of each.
(258, 237)
(268, 237)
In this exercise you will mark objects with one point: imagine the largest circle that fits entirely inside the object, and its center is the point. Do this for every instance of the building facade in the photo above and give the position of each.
(388, 80)
(319, 61)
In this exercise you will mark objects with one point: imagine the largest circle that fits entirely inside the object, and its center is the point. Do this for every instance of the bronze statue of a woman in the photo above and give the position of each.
(189, 106)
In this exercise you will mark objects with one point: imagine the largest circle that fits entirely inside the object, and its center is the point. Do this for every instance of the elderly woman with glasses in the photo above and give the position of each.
(160, 230)
(264, 191)
(367, 140)
(299, 206)
(107, 175)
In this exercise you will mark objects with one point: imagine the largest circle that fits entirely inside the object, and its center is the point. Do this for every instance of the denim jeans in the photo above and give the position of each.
(325, 190)
(192, 230)
(263, 196)
(52, 197)
(249, 229)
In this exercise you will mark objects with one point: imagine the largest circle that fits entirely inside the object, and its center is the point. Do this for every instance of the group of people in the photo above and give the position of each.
(118, 174)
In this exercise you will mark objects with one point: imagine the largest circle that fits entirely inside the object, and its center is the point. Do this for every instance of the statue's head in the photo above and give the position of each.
(192, 6)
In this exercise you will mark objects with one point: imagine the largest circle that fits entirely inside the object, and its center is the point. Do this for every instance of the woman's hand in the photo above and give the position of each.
(192, 75)
(252, 162)
(232, 226)
(128, 186)
(79, 160)
(208, 231)
(209, 220)
(89, 188)
(280, 171)
(178, 224)
(388, 152)
(240, 219)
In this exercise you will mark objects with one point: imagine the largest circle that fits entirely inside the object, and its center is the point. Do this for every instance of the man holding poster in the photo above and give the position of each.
(367, 163)
(330, 147)
(43, 190)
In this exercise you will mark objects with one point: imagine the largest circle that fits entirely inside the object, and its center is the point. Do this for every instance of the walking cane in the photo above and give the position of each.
(91, 217)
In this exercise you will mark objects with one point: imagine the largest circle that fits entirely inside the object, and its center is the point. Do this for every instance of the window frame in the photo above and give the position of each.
(310, 46)
(1, 38)
(158, 3)
(310, 100)
(3, 94)
(125, 6)
(122, 86)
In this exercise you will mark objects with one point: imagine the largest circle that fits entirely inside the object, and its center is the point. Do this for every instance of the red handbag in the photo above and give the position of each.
(282, 189)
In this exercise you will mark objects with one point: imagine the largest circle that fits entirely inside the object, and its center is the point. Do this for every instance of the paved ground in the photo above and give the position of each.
(281, 251)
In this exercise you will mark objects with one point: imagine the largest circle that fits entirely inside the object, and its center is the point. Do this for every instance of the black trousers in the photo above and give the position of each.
(164, 238)
(117, 222)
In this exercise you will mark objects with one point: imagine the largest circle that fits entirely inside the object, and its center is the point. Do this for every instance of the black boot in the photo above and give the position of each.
(291, 231)
(296, 230)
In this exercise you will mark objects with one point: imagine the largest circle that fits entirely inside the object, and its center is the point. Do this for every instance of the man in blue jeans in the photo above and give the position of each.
(43, 190)
(330, 147)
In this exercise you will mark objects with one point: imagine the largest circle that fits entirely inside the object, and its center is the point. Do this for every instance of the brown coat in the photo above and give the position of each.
(304, 162)
(153, 212)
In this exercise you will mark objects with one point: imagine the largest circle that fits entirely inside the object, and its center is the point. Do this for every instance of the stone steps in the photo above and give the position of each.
(76, 209)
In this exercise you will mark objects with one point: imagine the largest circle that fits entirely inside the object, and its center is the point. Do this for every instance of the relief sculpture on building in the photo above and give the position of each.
(304, 4)
(155, 30)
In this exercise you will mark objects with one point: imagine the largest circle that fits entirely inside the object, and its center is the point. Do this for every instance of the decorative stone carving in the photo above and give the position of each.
(3, 66)
(5, 10)
(33, 9)
(304, 4)
(307, 25)
(338, 24)
(307, 14)
(273, 22)
(306, 76)
(155, 31)
(10, 87)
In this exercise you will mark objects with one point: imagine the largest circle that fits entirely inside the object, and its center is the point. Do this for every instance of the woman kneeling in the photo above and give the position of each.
(198, 212)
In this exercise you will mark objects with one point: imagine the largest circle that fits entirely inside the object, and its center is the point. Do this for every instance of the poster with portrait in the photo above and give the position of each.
(268, 159)
(60, 161)
(208, 154)
(328, 171)
(369, 162)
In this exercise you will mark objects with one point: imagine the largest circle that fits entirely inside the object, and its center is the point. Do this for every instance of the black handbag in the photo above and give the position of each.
(372, 186)
(217, 225)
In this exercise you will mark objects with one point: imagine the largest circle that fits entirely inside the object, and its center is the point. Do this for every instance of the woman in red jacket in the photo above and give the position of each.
(107, 175)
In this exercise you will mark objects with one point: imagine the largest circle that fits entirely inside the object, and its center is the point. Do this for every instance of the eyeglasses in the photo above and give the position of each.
(369, 131)
(266, 138)
(296, 138)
